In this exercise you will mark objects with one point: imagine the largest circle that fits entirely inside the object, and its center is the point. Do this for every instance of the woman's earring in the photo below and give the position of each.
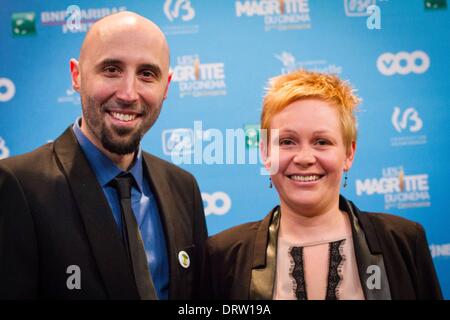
(345, 178)
(270, 185)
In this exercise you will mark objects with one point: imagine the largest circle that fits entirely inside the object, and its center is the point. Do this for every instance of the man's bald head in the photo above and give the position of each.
(121, 22)
(122, 76)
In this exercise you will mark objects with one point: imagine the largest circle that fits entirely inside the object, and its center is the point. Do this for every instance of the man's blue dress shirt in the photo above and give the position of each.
(144, 207)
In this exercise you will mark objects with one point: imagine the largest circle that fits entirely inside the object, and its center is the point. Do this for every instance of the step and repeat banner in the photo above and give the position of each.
(395, 53)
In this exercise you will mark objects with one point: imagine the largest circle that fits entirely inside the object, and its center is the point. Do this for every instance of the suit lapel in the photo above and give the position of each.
(265, 258)
(371, 268)
(101, 229)
(168, 213)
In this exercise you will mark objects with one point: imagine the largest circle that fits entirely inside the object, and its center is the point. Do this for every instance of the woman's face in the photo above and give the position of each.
(311, 156)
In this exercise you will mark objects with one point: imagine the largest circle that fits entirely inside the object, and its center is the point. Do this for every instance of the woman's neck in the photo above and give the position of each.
(311, 227)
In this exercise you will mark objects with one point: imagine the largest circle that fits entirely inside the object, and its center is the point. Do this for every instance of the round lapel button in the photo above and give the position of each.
(184, 259)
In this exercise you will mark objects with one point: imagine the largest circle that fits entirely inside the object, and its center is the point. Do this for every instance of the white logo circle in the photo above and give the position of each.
(212, 207)
(403, 63)
(184, 259)
(10, 89)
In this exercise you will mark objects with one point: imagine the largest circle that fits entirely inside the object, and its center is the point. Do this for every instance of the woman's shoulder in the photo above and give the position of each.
(386, 223)
(242, 234)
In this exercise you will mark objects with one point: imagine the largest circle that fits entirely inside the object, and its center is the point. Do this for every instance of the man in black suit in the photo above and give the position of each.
(66, 229)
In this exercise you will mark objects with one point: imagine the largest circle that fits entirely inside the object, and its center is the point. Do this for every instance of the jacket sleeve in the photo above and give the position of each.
(18, 248)
(427, 282)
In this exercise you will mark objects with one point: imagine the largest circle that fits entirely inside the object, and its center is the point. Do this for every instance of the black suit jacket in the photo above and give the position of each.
(53, 214)
(398, 244)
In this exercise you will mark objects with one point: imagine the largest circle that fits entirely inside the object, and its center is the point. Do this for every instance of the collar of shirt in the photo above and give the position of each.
(104, 169)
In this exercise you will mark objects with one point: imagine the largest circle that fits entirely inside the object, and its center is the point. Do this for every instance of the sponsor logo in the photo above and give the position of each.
(403, 63)
(408, 124)
(209, 146)
(178, 141)
(215, 147)
(278, 15)
(75, 19)
(252, 135)
(290, 63)
(180, 14)
(4, 151)
(179, 9)
(357, 8)
(217, 203)
(71, 96)
(7, 89)
(435, 4)
(440, 250)
(23, 23)
(199, 79)
(400, 191)
(408, 114)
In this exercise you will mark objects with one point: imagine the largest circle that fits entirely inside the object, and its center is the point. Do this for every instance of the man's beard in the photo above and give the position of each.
(121, 147)
(116, 140)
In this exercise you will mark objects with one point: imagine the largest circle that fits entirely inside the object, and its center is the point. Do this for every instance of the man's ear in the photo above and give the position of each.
(75, 74)
(168, 83)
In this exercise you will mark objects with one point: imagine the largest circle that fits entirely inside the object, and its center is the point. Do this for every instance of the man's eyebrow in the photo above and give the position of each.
(146, 66)
(153, 68)
(108, 62)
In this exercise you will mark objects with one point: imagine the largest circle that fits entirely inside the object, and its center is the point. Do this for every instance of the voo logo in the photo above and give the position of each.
(7, 89)
(172, 10)
(409, 114)
(218, 203)
(403, 63)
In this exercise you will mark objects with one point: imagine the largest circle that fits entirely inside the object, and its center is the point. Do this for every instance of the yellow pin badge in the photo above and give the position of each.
(183, 259)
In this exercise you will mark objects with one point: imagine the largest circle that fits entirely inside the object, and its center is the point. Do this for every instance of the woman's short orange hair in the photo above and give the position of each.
(288, 88)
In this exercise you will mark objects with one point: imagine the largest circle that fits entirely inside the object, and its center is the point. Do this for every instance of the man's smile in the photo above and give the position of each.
(123, 116)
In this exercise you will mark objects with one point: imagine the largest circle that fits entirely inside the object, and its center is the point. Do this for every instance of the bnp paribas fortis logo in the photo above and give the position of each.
(23, 23)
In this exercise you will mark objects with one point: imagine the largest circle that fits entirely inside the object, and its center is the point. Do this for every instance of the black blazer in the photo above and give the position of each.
(398, 244)
(53, 214)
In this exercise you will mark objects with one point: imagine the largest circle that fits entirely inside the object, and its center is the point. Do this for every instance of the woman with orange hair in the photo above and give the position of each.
(316, 244)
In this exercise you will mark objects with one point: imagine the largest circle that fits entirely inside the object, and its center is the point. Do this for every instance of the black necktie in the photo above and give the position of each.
(133, 240)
